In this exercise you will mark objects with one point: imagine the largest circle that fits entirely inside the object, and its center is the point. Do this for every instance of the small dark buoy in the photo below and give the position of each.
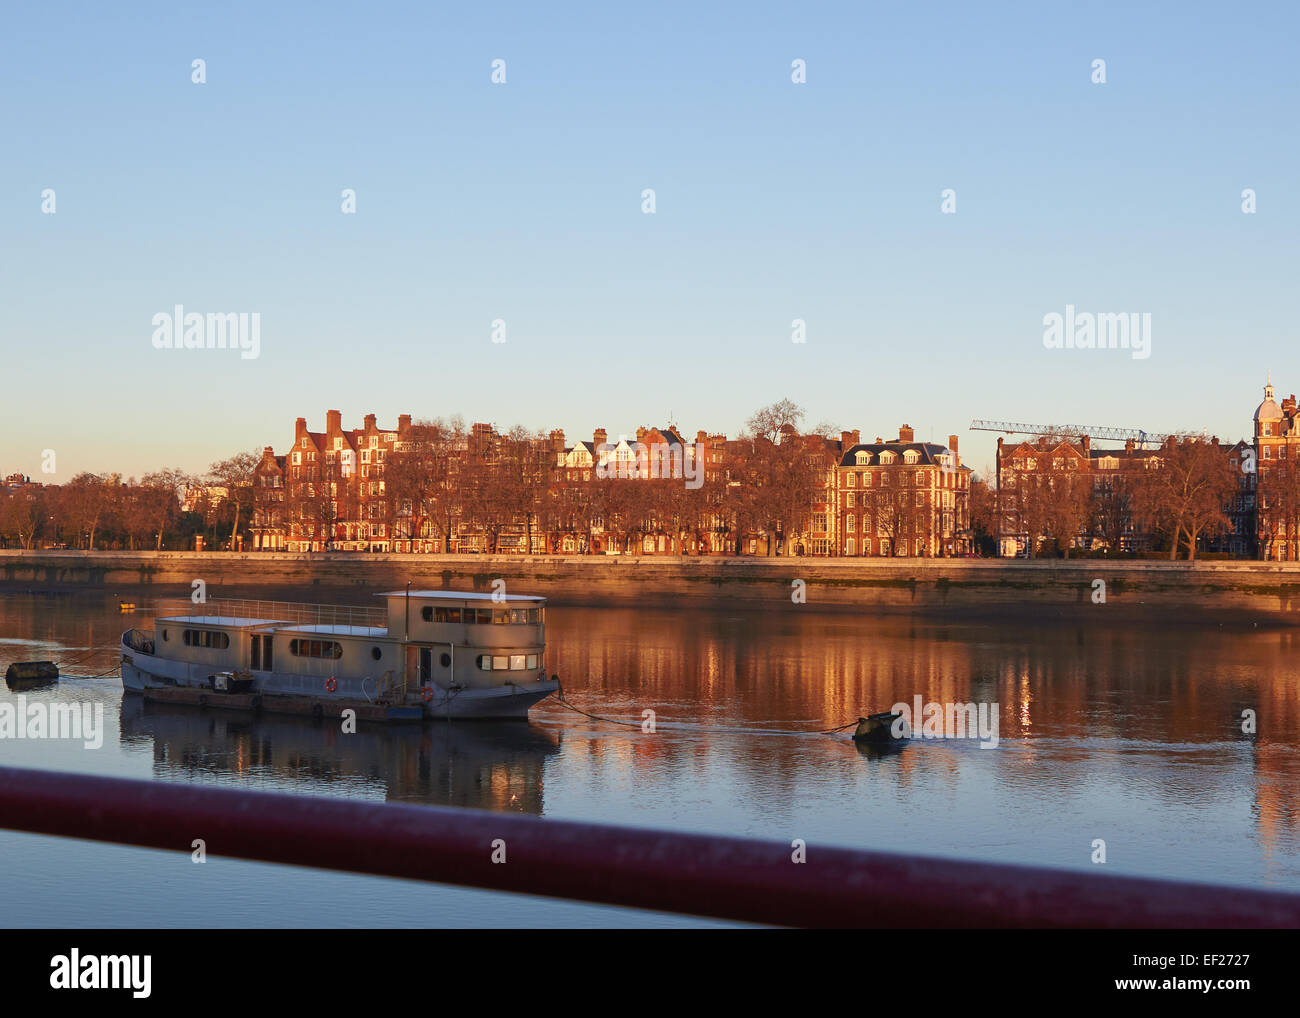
(22, 674)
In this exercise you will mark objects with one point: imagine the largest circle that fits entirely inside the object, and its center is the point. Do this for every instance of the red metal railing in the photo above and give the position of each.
(729, 878)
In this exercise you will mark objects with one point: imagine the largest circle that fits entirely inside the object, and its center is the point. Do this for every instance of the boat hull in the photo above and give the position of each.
(267, 694)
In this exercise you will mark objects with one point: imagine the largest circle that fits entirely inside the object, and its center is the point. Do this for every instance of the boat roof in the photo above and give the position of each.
(461, 595)
(371, 631)
(229, 622)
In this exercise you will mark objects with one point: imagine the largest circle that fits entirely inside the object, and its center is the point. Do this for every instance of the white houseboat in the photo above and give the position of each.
(426, 654)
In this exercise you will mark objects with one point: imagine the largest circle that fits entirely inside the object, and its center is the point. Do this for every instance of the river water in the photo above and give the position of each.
(1125, 734)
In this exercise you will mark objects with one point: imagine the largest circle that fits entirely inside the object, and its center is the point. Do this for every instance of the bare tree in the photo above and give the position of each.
(21, 515)
(236, 475)
(159, 496)
(1187, 492)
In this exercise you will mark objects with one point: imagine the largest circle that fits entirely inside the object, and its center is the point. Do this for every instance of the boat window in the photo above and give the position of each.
(316, 648)
(426, 613)
(206, 638)
(442, 614)
(376, 653)
(484, 616)
(501, 618)
(512, 662)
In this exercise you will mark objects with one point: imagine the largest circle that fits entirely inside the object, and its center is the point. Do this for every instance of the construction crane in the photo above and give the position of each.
(1139, 437)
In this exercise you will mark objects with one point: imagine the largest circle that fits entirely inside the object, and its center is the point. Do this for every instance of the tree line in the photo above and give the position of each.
(104, 511)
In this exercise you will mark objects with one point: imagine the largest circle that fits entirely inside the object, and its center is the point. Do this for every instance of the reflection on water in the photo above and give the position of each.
(1107, 730)
(491, 765)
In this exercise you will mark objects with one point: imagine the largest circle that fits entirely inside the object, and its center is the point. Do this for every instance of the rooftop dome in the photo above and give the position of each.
(1268, 410)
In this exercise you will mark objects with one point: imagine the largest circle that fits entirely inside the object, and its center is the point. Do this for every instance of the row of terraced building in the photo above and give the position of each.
(895, 497)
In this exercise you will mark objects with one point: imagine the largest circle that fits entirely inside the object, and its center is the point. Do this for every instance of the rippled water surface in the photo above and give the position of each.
(1106, 731)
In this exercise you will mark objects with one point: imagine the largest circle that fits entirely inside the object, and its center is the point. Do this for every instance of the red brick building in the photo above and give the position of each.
(901, 498)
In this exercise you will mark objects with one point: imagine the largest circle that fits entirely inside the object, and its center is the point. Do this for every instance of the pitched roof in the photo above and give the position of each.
(928, 451)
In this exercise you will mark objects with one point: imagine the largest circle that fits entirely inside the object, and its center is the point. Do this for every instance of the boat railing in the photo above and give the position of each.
(292, 612)
(139, 640)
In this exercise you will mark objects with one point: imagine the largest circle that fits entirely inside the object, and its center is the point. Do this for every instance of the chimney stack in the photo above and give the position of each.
(599, 437)
(299, 429)
(404, 422)
(848, 439)
(333, 422)
(905, 434)
(1087, 445)
(370, 422)
(952, 443)
(557, 440)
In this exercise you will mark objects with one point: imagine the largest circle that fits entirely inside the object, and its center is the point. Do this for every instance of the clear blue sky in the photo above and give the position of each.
(522, 201)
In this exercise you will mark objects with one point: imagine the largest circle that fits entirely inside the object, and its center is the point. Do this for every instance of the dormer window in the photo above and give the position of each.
(911, 456)
(863, 458)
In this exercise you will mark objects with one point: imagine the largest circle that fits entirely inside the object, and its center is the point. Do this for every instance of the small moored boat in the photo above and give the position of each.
(879, 729)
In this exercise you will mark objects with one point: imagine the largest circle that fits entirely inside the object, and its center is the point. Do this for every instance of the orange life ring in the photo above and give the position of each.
(331, 684)
(427, 693)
